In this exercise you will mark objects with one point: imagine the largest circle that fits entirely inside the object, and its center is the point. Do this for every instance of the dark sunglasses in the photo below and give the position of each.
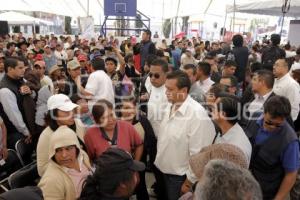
(273, 124)
(156, 76)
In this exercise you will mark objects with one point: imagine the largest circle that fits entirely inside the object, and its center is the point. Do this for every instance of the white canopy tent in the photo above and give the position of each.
(72, 8)
(155, 9)
(267, 7)
(15, 18)
(208, 11)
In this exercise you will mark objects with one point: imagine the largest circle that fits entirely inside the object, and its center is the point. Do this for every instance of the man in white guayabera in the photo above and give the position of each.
(184, 130)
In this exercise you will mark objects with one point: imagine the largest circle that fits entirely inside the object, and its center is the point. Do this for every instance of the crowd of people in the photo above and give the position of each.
(209, 120)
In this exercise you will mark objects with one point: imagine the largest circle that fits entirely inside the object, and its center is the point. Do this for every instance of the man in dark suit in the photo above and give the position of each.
(241, 54)
(262, 84)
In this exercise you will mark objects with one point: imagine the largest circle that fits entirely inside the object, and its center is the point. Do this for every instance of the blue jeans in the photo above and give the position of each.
(173, 185)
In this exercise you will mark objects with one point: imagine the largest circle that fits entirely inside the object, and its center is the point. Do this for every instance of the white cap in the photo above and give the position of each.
(76, 49)
(60, 102)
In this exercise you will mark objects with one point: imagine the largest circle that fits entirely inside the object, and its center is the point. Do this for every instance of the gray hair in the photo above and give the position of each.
(224, 180)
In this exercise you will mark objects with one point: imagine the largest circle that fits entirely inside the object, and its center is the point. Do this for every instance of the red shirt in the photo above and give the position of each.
(137, 62)
(128, 139)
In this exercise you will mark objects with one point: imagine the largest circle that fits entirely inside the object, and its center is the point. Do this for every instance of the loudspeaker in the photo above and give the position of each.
(3, 28)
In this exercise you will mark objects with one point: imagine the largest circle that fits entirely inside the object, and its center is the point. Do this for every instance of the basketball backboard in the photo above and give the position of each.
(120, 8)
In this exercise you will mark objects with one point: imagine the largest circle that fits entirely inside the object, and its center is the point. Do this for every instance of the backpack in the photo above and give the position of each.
(271, 55)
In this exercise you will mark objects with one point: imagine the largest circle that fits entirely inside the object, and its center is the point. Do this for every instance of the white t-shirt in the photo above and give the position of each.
(236, 136)
(286, 86)
(100, 85)
(156, 105)
(206, 84)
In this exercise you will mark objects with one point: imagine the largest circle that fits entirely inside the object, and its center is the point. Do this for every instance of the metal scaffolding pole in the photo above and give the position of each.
(175, 28)
(233, 19)
(285, 8)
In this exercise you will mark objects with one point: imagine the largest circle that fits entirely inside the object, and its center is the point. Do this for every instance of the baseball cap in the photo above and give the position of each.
(30, 52)
(39, 57)
(40, 63)
(81, 57)
(54, 68)
(46, 46)
(95, 55)
(115, 160)
(76, 49)
(61, 102)
(94, 47)
(73, 64)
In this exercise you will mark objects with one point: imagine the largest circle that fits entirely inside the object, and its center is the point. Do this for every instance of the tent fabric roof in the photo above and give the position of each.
(19, 18)
(153, 8)
(73, 8)
(268, 7)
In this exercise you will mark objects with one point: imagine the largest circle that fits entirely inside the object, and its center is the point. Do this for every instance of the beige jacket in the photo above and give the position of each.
(56, 184)
(43, 145)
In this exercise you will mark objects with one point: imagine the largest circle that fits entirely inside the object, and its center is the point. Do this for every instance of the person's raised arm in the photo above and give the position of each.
(121, 60)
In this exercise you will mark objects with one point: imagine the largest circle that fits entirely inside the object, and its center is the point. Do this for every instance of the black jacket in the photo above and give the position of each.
(241, 58)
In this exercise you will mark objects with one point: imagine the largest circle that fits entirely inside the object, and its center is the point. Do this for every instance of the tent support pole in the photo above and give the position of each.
(282, 22)
(176, 17)
(88, 8)
(285, 8)
(223, 34)
(233, 19)
(34, 27)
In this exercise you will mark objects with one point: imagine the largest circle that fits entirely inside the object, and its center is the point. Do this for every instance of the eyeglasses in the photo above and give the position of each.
(270, 123)
(156, 76)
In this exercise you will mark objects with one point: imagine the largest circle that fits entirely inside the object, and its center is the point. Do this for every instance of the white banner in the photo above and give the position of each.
(87, 27)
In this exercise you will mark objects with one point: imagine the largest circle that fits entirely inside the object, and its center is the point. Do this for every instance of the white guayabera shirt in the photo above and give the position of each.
(183, 134)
